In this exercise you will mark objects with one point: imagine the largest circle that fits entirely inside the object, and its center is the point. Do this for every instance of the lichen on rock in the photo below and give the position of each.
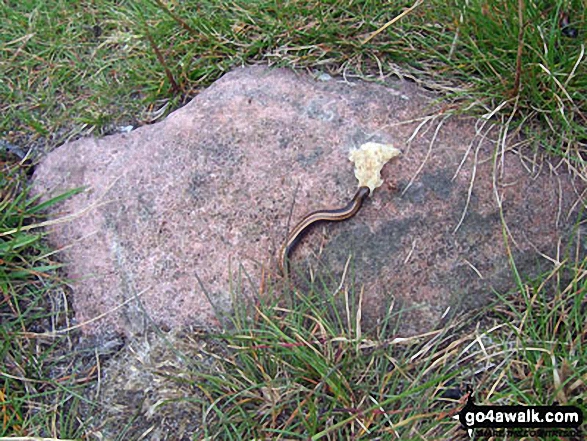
(369, 159)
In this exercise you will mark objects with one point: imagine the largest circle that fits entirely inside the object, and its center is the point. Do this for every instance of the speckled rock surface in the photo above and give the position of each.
(210, 189)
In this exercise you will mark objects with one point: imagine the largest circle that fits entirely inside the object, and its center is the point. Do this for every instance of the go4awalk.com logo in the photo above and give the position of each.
(520, 421)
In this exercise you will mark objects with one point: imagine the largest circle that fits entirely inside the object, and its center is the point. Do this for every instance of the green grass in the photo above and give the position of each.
(72, 68)
(547, 328)
(306, 368)
(39, 385)
(308, 371)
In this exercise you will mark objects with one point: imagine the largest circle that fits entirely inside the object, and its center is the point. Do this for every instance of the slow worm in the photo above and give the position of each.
(314, 217)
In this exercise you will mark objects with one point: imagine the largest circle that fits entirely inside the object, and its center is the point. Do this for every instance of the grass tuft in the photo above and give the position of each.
(547, 327)
(74, 68)
(306, 369)
(39, 384)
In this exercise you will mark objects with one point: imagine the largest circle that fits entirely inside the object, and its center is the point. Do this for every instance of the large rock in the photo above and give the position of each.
(207, 194)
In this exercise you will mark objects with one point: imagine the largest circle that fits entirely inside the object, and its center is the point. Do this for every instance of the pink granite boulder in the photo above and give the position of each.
(208, 191)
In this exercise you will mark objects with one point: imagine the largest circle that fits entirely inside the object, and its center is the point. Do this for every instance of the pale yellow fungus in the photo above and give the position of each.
(369, 159)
